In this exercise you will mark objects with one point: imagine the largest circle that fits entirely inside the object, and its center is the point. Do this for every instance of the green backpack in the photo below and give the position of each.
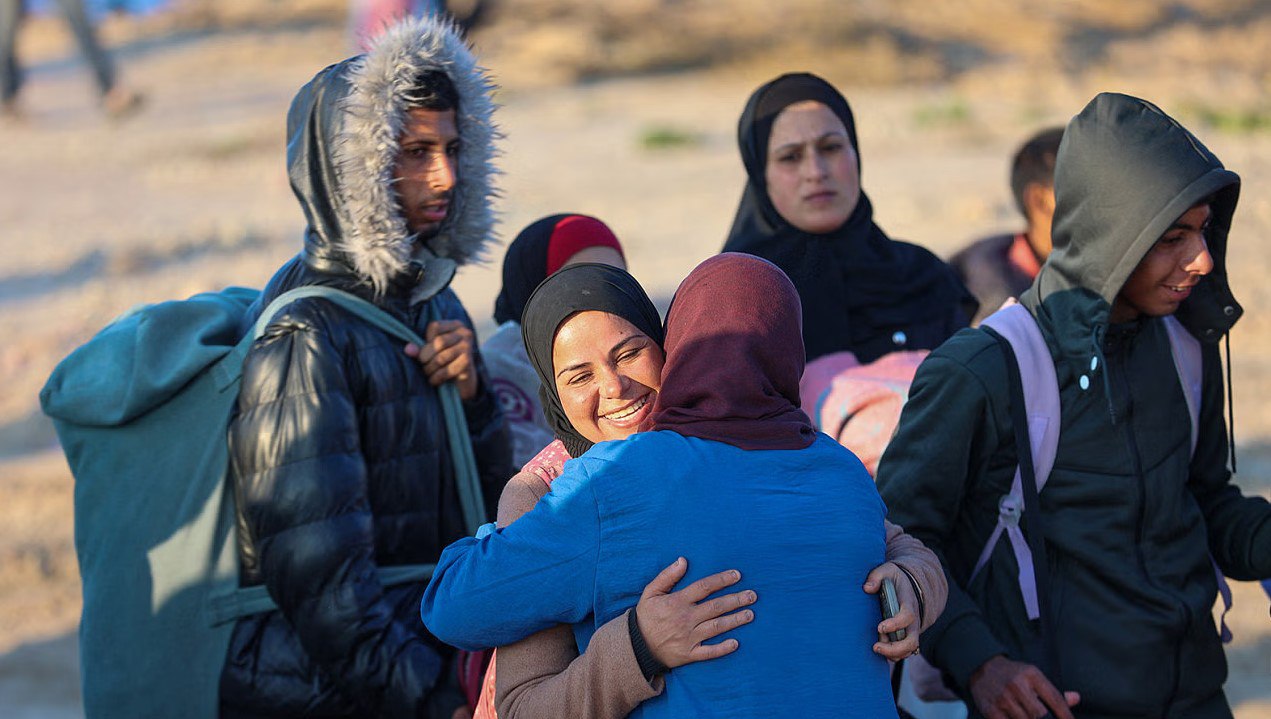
(142, 411)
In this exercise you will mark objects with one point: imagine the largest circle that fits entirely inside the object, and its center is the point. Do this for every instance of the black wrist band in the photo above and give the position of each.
(922, 605)
(650, 667)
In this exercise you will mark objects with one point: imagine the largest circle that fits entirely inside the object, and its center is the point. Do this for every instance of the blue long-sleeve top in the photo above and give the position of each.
(804, 528)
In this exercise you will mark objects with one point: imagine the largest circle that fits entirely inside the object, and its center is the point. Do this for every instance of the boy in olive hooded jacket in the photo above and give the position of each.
(1132, 515)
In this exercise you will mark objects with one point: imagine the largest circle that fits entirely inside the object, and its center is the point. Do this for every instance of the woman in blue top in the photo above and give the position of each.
(732, 474)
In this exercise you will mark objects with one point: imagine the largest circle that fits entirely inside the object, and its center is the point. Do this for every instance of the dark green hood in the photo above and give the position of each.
(1124, 173)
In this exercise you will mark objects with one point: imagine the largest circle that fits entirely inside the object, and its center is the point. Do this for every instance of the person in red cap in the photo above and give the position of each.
(542, 248)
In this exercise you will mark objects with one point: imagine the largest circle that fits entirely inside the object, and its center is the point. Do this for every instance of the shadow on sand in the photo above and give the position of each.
(40, 680)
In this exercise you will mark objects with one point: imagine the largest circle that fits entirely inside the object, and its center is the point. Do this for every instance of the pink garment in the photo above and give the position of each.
(547, 466)
(859, 405)
(371, 17)
(484, 708)
(817, 378)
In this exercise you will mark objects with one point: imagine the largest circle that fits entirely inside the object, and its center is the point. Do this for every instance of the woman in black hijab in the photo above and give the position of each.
(542, 248)
(608, 681)
(609, 376)
(590, 288)
(803, 210)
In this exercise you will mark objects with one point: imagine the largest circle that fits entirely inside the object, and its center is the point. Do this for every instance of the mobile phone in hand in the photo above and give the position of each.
(890, 604)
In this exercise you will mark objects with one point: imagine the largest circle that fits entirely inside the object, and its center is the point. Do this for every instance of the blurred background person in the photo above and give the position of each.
(368, 18)
(803, 209)
(116, 100)
(1003, 266)
(542, 248)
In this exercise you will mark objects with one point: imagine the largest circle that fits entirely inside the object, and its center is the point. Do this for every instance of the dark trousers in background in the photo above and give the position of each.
(11, 15)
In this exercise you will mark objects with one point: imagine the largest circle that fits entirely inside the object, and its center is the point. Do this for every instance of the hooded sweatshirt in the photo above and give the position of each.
(1132, 515)
(338, 453)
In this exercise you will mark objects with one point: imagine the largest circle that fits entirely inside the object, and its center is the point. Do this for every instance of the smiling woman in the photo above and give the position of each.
(608, 373)
(587, 376)
(595, 341)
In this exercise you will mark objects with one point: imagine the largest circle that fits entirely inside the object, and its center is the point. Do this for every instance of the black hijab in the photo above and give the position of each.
(859, 289)
(579, 288)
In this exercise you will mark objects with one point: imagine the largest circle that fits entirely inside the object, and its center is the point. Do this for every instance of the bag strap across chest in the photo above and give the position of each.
(457, 437)
(1015, 324)
(1035, 373)
(251, 600)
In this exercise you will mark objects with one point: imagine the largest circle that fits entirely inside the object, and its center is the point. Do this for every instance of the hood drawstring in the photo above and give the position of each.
(1097, 336)
(1231, 409)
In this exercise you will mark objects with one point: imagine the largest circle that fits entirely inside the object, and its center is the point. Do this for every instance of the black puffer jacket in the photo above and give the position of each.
(338, 446)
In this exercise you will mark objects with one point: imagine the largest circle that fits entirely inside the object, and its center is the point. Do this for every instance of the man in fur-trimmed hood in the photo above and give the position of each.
(338, 444)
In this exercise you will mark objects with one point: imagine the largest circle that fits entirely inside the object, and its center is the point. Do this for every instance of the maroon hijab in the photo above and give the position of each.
(734, 355)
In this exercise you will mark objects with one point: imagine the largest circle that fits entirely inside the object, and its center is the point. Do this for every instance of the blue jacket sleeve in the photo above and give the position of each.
(534, 574)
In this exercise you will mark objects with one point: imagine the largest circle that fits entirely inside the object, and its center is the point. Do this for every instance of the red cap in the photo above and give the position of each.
(576, 233)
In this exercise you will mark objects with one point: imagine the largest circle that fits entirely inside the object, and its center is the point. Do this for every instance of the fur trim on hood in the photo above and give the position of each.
(343, 131)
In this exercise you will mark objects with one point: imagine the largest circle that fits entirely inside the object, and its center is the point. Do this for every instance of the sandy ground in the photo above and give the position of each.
(191, 194)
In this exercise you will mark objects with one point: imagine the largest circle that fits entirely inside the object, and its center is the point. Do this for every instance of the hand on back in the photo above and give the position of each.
(677, 624)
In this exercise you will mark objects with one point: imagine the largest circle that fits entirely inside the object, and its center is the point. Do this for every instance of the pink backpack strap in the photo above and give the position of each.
(1187, 362)
(1186, 352)
(1041, 399)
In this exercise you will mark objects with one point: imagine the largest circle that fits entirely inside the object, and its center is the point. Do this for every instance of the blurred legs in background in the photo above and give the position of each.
(10, 73)
(116, 101)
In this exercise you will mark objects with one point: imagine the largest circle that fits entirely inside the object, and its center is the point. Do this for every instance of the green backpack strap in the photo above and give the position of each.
(465, 462)
(254, 600)
(452, 406)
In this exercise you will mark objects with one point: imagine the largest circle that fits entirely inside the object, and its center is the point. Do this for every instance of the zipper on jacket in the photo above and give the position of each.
(1127, 428)
(1178, 660)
